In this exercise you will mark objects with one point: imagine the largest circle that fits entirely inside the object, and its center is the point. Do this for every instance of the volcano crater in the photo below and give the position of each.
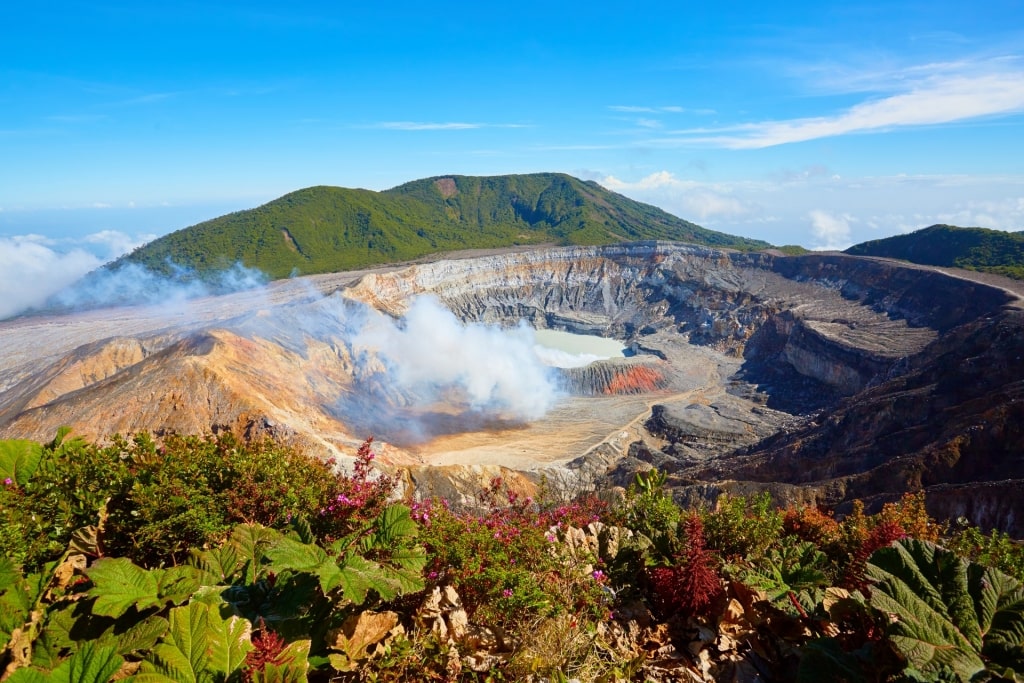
(821, 377)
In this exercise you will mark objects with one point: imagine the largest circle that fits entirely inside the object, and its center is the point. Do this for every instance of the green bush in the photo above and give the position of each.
(743, 527)
(154, 502)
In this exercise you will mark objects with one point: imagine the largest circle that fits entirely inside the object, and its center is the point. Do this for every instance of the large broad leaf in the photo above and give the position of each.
(392, 527)
(251, 542)
(289, 554)
(404, 569)
(359, 576)
(118, 585)
(72, 624)
(177, 584)
(90, 664)
(946, 613)
(200, 646)
(239, 560)
(219, 565)
(19, 459)
(790, 569)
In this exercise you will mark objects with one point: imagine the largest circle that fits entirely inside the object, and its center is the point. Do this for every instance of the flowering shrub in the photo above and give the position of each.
(353, 499)
(502, 561)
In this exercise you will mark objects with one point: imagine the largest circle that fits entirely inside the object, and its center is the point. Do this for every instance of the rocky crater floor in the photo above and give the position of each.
(821, 377)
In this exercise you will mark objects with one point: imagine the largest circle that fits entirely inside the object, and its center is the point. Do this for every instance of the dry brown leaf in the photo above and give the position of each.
(360, 632)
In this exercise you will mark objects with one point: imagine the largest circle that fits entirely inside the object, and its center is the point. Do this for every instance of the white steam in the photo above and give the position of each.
(431, 354)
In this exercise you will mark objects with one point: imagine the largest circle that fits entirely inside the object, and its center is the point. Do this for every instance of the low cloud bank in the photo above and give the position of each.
(31, 270)
(133, 284)
(39, 273)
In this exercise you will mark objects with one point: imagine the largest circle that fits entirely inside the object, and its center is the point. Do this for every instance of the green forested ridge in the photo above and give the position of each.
(325, 229)
(990, 251)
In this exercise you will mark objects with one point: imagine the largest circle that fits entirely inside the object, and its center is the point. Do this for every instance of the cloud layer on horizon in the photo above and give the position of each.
(819, 209)
(33, 267)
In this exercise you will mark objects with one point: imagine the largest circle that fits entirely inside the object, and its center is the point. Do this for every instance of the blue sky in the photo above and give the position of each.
(815, 123)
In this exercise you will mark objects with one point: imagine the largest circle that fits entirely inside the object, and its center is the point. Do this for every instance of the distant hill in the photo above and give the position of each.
(990, 251)
(326, 229)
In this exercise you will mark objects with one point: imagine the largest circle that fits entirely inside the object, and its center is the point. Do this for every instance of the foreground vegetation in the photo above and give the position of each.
(214, 560)
(989, 251)
(330, 229)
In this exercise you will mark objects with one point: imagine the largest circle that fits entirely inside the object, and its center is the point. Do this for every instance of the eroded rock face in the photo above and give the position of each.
(820, 377)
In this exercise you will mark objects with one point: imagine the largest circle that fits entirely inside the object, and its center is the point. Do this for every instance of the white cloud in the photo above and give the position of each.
(777, 207)
(830, 232)
(30, 271)
(34, 267)
(116, 242)
(919, 96)
(686, 198)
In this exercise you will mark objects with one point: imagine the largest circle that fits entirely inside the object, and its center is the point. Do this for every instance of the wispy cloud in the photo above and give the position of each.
(683, 197)
(830, 232)
(926, 98)
(439, 125)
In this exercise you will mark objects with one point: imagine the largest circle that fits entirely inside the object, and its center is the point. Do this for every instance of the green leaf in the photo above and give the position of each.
(9, 573)
(177, 584)
(251, 542)
(359, 576)
(58, 439)
(19, 459)
(300, 526)
(219, 565)
(289, 554)
(406, 573)
(118, 585)
(393, 526)
(200, 646)
(946, 613)
(19, 599)
(27, 675)
(141, 637)
(90, 664)
(229, 645)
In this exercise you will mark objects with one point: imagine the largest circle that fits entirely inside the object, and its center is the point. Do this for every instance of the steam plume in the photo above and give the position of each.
(434, 356)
